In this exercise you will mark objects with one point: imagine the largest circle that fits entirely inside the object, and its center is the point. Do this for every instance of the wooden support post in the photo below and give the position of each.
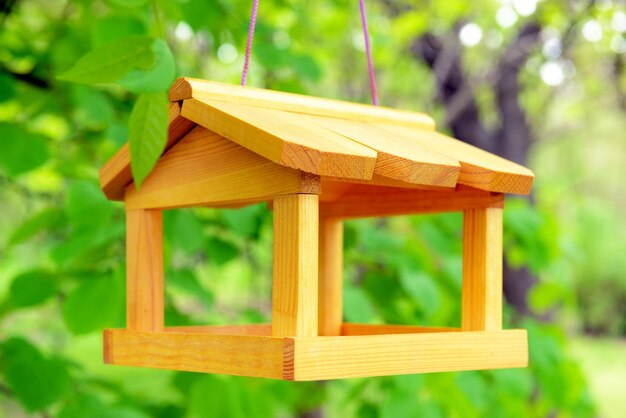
(294, 285)
(482, 270)
(330, 307)
(144, 270)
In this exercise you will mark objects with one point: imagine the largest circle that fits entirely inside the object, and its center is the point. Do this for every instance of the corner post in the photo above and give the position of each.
(295, 269)
(144, 270)
(482, 269)
(330, 303)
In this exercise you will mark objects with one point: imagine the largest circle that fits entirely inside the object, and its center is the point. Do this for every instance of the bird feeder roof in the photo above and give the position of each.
(329, 138)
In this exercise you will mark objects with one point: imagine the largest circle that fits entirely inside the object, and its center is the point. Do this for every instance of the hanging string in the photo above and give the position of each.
(366, 36)
(368, 51)
(244, 74)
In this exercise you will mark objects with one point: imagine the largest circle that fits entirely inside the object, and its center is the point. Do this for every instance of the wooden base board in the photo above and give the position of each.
(364, 350)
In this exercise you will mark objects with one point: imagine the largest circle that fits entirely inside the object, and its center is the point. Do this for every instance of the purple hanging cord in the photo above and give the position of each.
(366, 36)
(244, 74)
(368, 51)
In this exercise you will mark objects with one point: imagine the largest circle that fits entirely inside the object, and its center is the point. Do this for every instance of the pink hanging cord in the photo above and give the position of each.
(368, 51)
(366, 36)
(244, 74)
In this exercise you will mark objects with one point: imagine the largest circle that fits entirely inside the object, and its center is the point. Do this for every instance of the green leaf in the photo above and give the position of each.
(159, 78)
(115, 27)
(128, 3)
(357, 306)
(43, 221)
(85, 246)
(32, 288)
(422, 289)
(21, 151)
(93, 305)
(36, 381)
(148, 133)
(93, 108)
(86, 205)
(112, 61)
(245, 221)
(183, 230)
(7, 87)
(187, 281)
(221, 251)
(92, 407)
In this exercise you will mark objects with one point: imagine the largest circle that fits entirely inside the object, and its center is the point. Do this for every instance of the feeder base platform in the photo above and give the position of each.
(361, 350)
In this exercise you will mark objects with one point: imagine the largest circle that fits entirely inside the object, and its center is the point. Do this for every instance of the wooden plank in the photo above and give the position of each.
(479, 168)
(383, 355)
(397, 159)
(351, 329)
(330, 295)
(115, 175)
(482, 269)
(144, 270)
(295, 269)
(207, 169)
(378, 180)
(186, 88)
(248, 329)
(240, 355)
(362, 201)
(284, 138)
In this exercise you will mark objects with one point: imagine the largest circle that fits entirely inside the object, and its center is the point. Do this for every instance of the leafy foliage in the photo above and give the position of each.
(61, 241)
(148, 133)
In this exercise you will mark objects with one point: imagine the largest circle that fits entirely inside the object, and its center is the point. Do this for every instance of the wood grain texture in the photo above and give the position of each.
(284, 138)
(479, 168)
(248, 329)
(352, 329)
(359, 201)
(115, 175)
(383, 355)
(186, 88)
(397, 159)
(330, 295)
(378, 180)
(241, 355)
(482, 269)
(207, 169)
(144, 270)
(295, 268)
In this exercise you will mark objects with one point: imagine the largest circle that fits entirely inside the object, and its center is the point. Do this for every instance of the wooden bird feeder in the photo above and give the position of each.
(318, 162)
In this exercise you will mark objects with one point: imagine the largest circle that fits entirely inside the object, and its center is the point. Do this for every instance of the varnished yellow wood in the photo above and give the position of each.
(318, 358)
(295, 269)
(144, 270)
(482, 269)
(115, 175)
(330, 295)
(242, 355)
(352, 329)
(359, 201)
(383, 355)
(479, 168)
(284, 138)
(378, 180)
(186, 88)
(207, 169)
(397, 158)
(250, 329)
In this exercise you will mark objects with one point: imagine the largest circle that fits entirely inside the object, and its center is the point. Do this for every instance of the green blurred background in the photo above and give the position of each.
(540, 82)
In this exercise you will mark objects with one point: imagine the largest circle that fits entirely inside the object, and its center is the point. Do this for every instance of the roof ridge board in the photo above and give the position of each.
(187, 88)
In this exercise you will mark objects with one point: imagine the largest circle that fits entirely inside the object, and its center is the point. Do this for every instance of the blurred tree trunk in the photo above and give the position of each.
(511, 138)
